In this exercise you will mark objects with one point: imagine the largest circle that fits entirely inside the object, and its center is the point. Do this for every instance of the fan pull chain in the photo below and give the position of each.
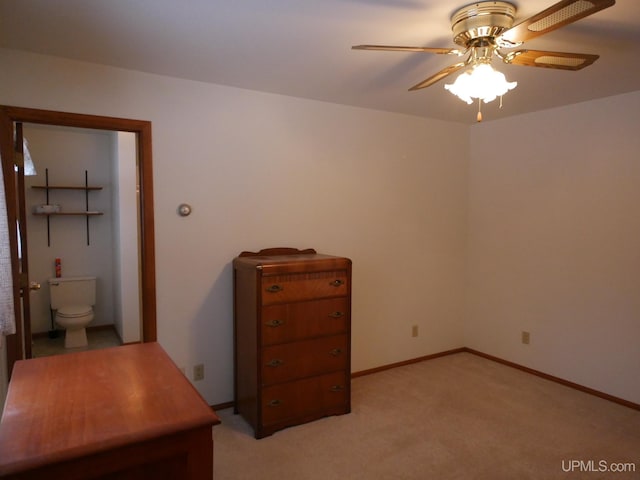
(500, 101)
(479, 117)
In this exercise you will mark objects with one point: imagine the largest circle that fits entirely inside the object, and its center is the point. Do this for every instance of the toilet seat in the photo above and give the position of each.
(74, 311)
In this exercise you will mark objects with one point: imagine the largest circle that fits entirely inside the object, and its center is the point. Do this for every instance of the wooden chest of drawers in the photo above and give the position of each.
(292, 312)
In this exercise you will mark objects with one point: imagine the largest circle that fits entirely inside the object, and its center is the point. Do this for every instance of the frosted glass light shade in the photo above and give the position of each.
(483, 82)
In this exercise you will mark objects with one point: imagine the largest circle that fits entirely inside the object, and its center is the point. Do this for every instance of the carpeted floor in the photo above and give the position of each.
(455, 417)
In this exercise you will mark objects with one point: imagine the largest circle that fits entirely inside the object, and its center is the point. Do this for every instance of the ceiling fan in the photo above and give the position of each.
(485, 29)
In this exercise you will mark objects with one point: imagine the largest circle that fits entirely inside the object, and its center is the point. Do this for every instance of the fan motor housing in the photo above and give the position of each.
(481, 20)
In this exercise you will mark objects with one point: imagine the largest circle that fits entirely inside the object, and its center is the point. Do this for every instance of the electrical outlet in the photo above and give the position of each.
(414, 331)
(526, 337)
(198, 372)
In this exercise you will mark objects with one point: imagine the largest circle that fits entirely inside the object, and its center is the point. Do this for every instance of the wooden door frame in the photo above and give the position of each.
(142, 129)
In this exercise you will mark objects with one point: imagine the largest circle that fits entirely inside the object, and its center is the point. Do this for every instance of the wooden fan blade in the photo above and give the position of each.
(560, 60)
(439, 51)
(554, 17)
(439, 76)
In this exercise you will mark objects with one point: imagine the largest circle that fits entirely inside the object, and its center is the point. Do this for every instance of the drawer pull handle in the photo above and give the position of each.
(336, 314)
(336, 283)
(275, 323)
(276, 362)
(275, 403)
(335, 352)
(275, 288)
(336, 388)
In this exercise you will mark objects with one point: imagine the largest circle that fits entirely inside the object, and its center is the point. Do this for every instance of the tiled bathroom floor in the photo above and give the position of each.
(100, 338)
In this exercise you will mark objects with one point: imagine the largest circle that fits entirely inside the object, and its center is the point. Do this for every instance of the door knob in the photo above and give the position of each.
(34, 286)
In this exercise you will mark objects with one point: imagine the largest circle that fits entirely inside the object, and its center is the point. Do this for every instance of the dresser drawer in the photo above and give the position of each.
(304, 397)
(297, 287)
(286, 322)
(290, 361)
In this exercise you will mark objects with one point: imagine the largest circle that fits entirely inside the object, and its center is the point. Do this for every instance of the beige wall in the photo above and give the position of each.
(550, 235)
(554, 244)
(263, 170)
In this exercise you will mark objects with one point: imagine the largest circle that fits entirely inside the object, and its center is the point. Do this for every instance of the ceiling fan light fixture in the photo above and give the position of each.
(481, 82)
(484, 29)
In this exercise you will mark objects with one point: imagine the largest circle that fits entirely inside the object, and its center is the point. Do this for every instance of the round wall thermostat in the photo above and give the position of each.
(184, 210)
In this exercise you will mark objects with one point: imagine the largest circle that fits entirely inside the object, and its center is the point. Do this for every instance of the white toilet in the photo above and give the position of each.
(73, 299)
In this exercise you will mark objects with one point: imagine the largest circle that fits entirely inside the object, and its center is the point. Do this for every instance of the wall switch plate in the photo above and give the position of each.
(414, 331)
(198, 372)
(526, 338)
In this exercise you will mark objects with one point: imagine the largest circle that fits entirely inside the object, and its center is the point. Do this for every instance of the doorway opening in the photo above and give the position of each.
(12, 118)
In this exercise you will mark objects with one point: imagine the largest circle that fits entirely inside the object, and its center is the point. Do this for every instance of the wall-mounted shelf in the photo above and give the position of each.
(60, 187)
(86, 188)
(59, 214)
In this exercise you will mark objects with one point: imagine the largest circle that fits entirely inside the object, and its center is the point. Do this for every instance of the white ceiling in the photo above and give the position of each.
(302, 48)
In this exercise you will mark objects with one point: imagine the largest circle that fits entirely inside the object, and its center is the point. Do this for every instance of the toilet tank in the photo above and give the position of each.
(68, 291)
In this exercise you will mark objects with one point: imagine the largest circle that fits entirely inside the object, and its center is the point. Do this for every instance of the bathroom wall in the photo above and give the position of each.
(125, 221)
(67, 153)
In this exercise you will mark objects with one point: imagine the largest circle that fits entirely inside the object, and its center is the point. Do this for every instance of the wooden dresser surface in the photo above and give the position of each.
(72, 410)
